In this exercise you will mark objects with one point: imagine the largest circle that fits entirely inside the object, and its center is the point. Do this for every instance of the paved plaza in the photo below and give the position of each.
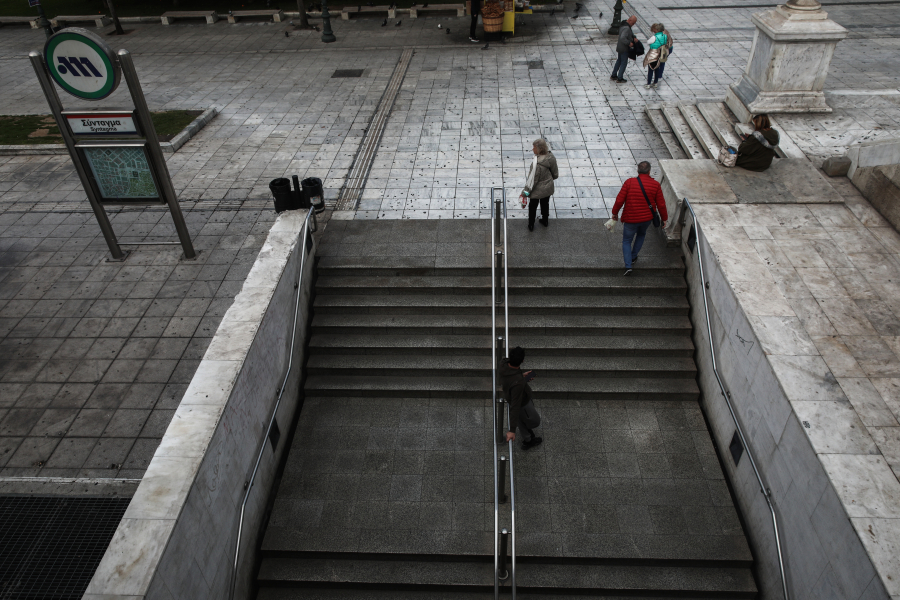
(96, 351)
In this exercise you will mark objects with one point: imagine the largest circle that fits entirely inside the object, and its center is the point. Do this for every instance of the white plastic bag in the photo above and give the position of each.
(610, 225)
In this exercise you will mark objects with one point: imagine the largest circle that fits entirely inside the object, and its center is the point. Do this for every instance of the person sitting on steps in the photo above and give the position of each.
(758, 149)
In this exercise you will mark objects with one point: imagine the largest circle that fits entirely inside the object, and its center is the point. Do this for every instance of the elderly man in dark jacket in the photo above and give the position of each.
(626, 41)
(522, 414)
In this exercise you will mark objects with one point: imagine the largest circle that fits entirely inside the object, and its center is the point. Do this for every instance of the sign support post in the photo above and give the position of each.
(156, 155)
(37, 61)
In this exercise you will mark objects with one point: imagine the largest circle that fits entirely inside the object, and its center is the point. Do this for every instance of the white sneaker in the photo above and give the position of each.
(648, 86)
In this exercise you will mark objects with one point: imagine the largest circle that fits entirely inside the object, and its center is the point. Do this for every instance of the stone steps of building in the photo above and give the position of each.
(532, 285)
(358, 365)
(535, 576)
(709, 143)
(330, 593)
(631, 388)
(692, 147)
(665, 132)
(519, 304)
(481, 324)
(537, 345)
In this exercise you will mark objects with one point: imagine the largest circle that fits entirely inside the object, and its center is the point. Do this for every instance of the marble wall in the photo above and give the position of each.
(177, 538)
(832, 486)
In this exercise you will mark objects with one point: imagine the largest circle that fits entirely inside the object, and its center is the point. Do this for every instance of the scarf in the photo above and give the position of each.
(762, 140)
(529, 184)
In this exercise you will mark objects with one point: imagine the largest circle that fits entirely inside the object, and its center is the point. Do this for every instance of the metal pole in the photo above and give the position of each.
(617, 18)
(497, 224)
(327, 34)
(37, 61)
(153, 149)
(501, 431)
(504, 544)
(501, 469)
(499, 275)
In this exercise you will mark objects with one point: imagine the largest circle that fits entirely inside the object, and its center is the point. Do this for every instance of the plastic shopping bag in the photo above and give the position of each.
(610, 225)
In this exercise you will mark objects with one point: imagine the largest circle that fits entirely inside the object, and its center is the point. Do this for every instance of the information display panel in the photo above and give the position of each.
(122, 172)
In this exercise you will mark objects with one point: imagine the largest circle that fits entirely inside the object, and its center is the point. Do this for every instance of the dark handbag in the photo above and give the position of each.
(656, 221)
(636, 50)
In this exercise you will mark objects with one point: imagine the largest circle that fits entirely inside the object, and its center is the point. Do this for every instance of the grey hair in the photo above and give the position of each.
(542, 146)
(656, 28)
(644, 167)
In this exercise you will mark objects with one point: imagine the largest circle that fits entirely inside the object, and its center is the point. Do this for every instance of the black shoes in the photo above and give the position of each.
(627, 272)
(544, 222)
(531, 227)
(613, 77)
(634, 260)
(621, 81)
(535, 441)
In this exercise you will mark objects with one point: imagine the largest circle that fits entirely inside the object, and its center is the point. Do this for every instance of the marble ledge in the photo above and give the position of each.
(128, 566)
(213, 382)
(164, 488)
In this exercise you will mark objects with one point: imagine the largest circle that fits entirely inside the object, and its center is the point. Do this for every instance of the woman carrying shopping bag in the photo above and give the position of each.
(539, 186)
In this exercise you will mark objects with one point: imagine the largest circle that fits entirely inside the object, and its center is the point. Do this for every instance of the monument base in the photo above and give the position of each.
(788, 63)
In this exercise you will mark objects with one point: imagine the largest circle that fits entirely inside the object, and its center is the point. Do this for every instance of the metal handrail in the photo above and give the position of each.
(262, 447)
(766, 492)
(500, 232)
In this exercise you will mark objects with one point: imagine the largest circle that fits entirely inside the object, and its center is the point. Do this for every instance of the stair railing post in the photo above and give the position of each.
(502, 468)
(504, 544)
(498, 225)
(499, 272)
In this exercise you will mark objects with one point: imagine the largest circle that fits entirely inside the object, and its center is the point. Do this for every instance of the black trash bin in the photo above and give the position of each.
(284, 197)
(312, 191)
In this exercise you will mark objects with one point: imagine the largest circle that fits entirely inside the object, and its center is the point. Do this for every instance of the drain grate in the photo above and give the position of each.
(535, 64)
(348, 73)
(50, 547)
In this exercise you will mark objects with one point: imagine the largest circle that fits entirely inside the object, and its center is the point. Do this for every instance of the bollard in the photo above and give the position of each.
(502, 571)
(501, 473)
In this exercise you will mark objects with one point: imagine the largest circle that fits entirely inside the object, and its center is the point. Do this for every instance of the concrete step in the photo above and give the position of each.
(520, 259)
(310, 592)
(481, 324)
(702, 131)
(519, 304)
(356, 365)
(683, 132)
(721, 121)
(665, 132)
(679, 346)
(480, 387)
(448, 574)
(638, 283)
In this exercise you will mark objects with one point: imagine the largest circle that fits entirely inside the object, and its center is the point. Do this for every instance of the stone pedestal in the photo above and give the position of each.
(788, 63)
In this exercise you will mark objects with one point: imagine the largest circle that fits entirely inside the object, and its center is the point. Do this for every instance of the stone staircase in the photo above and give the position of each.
(387, 490)
(697, 130)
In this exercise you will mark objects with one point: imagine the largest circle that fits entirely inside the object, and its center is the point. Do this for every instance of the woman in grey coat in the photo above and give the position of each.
(539, 186)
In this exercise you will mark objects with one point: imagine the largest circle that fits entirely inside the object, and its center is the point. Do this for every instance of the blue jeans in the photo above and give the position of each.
(621, 63)
(658, 73)
(630, 231)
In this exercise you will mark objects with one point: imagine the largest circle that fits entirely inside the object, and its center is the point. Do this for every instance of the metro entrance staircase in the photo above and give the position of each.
(388, 487)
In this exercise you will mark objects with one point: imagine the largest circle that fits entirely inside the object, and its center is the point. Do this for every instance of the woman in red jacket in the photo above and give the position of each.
(637, 214)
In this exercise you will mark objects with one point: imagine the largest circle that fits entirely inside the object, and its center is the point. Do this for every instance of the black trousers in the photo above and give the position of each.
(472, 27)
(532, 209)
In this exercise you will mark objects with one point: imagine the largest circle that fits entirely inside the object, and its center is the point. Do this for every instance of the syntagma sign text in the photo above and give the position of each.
(99, 124)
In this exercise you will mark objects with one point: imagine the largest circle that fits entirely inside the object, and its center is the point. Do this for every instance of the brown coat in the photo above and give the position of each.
(547, 171)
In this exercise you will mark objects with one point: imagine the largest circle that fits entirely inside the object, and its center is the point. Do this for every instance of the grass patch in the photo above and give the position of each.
(42, 129)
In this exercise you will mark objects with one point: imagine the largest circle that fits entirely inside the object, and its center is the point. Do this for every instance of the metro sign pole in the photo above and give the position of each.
(116, 153)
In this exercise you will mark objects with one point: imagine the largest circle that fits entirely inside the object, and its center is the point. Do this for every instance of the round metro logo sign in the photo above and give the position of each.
(82, 64)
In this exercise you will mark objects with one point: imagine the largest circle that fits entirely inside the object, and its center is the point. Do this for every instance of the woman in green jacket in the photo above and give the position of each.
(758, 149)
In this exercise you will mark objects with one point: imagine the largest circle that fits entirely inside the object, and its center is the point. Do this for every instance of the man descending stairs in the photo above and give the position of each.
(388, 487)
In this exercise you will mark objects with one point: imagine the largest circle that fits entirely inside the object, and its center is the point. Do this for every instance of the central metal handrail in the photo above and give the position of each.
(766, 492)
(499, 349)
(249, 485)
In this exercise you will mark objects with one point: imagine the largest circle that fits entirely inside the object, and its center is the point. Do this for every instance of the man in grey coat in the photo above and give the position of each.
(626, 41)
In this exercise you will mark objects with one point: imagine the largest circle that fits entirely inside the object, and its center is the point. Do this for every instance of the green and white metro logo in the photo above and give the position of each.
(82, 63)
